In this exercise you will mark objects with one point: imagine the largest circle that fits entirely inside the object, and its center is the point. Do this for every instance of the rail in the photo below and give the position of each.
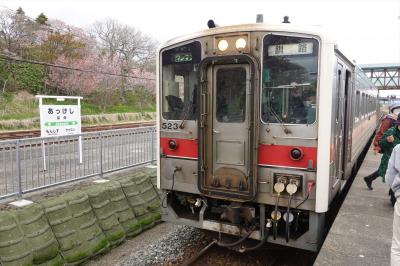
(21, 134)
(35, 163)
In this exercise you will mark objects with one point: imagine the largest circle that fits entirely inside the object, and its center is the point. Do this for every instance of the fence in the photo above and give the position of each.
(35, 163)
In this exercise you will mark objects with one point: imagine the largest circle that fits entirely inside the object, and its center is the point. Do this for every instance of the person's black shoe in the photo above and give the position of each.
(392, 197)
(368, 182)
(392, 200)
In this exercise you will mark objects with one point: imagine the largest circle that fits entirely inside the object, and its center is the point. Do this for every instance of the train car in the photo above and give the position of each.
(260, 127)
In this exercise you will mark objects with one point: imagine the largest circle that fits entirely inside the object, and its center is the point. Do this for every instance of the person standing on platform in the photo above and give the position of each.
(386, 123)
(388, 141)
(393, 180)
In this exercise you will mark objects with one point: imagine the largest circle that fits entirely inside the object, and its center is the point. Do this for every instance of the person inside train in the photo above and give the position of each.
(174, 103)
(222, 105)
(393, 180)
(386, 123)
(296, 102)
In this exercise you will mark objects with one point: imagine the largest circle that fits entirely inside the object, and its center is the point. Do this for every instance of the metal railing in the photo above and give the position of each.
(35, 163)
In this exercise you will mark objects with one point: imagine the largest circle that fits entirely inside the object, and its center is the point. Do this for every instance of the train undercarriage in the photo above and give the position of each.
(304, 230)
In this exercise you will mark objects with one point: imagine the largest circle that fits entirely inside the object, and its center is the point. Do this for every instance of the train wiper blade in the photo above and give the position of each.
(190, 107)
(280, 122)
(186, 114)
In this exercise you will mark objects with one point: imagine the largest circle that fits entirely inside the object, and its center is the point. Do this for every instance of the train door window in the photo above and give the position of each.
(231, 95)
(338, 94)
(363, 105)
(289, 79)
(180, 81)
(357, 107)
(368, 104)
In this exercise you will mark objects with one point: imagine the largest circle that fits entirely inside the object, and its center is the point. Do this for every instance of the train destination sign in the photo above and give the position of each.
(183, 57)
(290, 49)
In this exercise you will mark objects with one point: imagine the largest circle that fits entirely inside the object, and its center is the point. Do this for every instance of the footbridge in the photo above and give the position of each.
(384, 76)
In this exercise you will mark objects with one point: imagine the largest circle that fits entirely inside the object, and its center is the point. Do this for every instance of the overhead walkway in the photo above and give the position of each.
(362, 231)
(384, 76)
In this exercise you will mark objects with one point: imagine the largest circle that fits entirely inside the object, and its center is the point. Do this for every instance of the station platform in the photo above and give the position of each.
(362, 231)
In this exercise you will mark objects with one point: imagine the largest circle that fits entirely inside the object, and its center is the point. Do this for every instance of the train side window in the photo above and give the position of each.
(180, 81)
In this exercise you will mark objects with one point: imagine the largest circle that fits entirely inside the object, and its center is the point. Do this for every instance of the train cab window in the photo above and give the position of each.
(289, 79)
(180, 81)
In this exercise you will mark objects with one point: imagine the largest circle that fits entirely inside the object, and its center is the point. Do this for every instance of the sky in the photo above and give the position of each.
(367, 31)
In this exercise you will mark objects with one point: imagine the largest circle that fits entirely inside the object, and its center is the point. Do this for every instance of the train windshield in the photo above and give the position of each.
(180, 81)
(289, 80)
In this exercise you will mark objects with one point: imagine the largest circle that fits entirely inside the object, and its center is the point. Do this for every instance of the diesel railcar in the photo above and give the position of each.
(260, 127)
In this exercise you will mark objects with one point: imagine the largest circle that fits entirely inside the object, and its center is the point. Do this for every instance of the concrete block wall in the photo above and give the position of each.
(77, 225)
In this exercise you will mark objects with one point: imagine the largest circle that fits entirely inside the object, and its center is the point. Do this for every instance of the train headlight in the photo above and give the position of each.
(172, 145)
(296, 154)
(240, 43)
(223, 45)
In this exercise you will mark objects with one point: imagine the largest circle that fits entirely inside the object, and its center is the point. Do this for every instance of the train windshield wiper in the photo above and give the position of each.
(271, 109)
(190, 107)
(280, 122)
(186, 114)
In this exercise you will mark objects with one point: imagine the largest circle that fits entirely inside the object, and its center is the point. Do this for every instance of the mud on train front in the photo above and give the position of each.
(245, 147)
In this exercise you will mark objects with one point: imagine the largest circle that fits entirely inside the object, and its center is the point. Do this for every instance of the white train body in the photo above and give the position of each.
(235, 117)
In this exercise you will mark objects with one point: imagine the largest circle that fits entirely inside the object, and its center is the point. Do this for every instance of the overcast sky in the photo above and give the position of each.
(367, 31)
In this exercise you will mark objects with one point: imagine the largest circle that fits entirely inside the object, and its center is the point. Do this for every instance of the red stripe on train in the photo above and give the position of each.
(186, 147)
(279, 155)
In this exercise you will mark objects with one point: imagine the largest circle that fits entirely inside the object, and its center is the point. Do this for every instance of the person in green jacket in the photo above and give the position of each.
(388, 141)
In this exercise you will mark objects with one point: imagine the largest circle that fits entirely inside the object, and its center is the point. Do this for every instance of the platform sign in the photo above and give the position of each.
(60, 120)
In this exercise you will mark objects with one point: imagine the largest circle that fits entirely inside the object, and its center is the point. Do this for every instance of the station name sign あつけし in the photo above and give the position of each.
(60, 120)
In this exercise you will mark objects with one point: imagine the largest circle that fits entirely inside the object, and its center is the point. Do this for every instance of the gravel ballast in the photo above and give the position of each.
(168, 249)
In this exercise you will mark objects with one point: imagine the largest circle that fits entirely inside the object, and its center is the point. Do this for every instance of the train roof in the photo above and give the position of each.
(283, 27)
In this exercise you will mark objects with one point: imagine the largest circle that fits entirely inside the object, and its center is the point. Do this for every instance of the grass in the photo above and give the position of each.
(21, 111)
(91, 109)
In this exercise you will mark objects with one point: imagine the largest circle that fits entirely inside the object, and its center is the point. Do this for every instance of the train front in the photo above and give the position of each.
(238, 134)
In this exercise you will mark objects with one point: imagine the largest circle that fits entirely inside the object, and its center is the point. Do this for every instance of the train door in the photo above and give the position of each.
(227, 140)
(339, 124)
(347, 124)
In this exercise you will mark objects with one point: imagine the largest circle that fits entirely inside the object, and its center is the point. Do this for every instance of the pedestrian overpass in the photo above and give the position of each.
(384, 76)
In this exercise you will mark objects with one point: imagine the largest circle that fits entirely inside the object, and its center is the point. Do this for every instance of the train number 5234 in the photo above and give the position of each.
(169, 126)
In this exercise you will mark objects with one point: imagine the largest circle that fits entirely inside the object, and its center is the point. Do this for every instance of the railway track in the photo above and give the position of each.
(36, 133)
(269, 255)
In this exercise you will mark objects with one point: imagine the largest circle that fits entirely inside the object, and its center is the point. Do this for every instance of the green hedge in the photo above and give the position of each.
(77, 225)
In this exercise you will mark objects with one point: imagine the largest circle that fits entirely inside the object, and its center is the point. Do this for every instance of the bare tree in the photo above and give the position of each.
(16, 31)
(125, 44)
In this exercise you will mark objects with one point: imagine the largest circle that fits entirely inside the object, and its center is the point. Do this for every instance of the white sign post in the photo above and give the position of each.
(59, 120)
